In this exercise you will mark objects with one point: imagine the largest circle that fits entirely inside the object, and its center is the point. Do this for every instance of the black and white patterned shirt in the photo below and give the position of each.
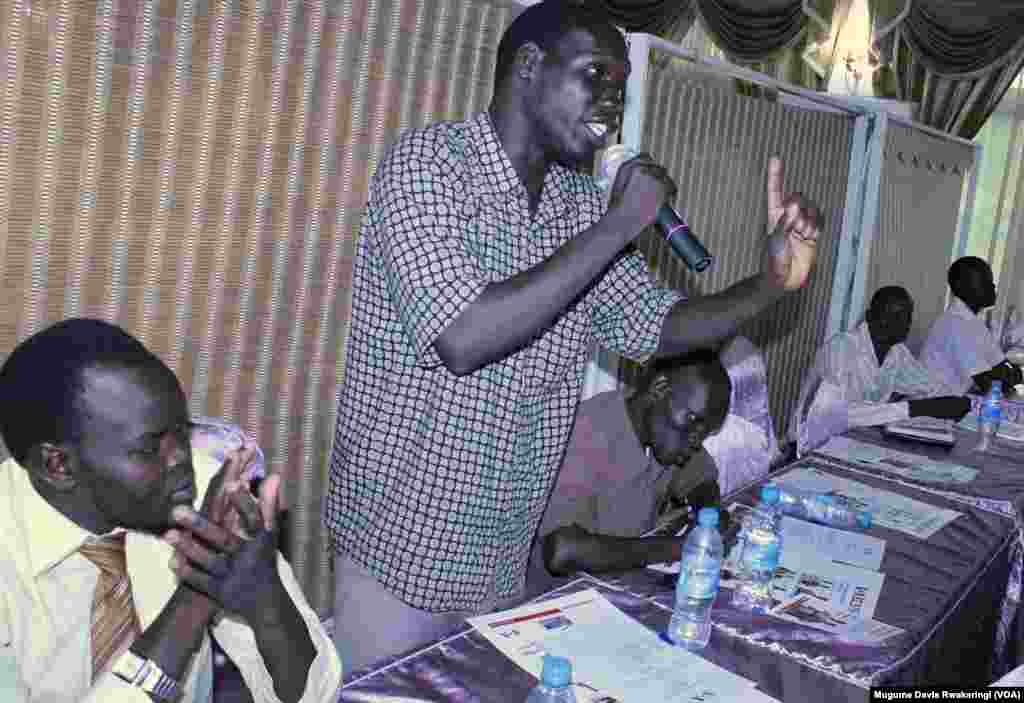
(438, 482)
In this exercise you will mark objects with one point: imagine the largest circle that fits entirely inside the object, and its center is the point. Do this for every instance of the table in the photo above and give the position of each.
(944, 592)
(999, 486)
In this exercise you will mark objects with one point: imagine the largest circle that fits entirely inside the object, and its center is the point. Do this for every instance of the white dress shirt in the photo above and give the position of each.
(848, 361)
(960, 345)
(46, 592)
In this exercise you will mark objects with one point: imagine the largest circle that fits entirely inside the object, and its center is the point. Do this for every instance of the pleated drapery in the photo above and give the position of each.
(955, 58)
(195, 171)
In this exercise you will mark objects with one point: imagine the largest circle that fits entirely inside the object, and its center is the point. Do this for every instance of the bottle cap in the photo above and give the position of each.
(864, 519)
(770, 493)
(708, 517)
(557, 671)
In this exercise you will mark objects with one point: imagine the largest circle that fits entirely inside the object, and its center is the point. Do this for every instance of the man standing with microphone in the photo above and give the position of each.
(486, 266)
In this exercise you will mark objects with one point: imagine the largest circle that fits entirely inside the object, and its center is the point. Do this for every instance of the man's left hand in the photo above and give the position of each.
(794, 224)
(239, 574)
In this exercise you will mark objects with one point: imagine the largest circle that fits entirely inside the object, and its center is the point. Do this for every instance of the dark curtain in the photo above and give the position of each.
(955, 58)
(747, 30)
(752, 31)
(668, 19)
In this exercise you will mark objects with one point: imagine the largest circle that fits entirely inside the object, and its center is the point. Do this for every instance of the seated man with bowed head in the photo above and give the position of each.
(110, 579)
(873, 370)
(960, 348)
(625, 455)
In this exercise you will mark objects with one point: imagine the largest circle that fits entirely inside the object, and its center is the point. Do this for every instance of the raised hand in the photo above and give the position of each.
(240, 575)
(216, 503)
(794, 224)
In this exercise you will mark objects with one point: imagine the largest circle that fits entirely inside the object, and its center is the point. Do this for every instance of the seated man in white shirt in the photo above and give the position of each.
(960, 348)
(111, 582)
(873, 370)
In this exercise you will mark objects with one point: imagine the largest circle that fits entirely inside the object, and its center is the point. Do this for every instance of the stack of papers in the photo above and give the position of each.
(911, 466)
(614, 658)
(924, 429)
(815, 588)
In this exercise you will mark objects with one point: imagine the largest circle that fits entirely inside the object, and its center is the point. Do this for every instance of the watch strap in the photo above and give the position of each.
(145, 674)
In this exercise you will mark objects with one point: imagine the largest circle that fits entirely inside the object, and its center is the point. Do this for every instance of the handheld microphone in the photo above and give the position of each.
(670, 223)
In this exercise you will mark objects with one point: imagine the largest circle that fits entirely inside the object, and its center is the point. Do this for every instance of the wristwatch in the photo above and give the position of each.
(145, 674)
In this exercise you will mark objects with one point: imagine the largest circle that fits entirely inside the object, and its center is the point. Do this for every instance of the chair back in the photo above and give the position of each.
(746, 445)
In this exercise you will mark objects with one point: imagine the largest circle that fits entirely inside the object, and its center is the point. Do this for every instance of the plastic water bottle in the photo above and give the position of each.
(820, 508)
(555, 684)
(990, 415)
(762, 549)
(700, 569)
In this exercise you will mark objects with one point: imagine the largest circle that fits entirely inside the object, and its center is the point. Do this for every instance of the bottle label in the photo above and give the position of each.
(990, 411)
(701, 580)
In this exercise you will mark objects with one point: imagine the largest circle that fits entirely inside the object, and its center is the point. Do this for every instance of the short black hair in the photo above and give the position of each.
(544, 24)
(42, 379)
(710, 365)
(889, 294)
(964, 267)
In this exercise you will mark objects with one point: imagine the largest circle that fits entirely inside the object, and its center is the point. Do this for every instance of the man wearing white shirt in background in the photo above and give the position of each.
(111, 583)
(873, 370)
(960, 348)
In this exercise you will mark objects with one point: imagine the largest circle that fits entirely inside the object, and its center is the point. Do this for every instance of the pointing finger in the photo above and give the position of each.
(270, 500)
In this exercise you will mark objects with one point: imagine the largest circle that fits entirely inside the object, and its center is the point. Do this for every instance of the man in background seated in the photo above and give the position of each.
(110, 579)
(625, 456)
(960, 348)
(873, 370)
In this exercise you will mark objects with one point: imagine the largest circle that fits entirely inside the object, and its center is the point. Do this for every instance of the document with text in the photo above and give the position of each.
(615, 659)
(911, 466)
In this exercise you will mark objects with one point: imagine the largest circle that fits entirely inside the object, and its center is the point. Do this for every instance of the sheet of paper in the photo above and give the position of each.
(840, 588)
(613, 656)
(1014, 678)
(900, 463)
(869, 632)
(808, 610)
(888, 509)
(848, 547)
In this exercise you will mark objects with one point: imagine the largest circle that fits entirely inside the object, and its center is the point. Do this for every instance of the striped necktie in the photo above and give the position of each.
(114, 622)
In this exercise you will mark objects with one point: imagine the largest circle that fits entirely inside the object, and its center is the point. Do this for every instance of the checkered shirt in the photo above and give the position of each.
(438, 482)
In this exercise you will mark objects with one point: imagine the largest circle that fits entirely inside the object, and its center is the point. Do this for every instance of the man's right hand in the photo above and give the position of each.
(946, 407)
(641, 187)
(794, 225)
